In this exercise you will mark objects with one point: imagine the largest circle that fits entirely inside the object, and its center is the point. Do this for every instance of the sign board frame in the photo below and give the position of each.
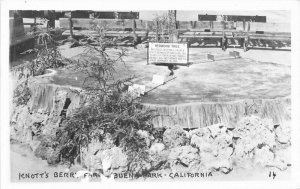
(167, 63)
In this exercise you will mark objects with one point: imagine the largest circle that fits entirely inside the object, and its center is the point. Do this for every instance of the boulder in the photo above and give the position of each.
(210, 163)
(145, 135)
(264, 157)
(53, 156)
(283, 134)
(113, 160)
(47, 153)
(174, 137)
(91, 155)
(34, 144)
(251, 132)
(282, 159)
(156, 148)
(183, 158)
(216, 139)
(216, 147)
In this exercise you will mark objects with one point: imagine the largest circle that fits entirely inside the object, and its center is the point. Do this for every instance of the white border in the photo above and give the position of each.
(292, 5)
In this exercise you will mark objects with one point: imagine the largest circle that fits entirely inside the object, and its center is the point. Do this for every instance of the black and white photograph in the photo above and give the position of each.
(150, 95)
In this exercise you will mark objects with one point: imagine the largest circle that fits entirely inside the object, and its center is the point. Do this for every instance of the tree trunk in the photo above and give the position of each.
(173, 36)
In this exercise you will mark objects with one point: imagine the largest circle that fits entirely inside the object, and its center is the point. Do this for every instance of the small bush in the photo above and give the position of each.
(22, 94)
(109, 110)
(47, 57)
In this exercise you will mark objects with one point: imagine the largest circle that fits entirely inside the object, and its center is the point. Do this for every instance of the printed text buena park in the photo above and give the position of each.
(173, 175)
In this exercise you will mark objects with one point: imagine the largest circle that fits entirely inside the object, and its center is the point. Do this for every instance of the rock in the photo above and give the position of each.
(91, 157)
(284, 155)
(42, 148)
(215, 130)
(113, 160)
(200, 132)
(268, 123)
(95, 147)
(20, 122)
(119, 158)
(264, 157)
(226, 152)
(201, 143)
(216, 147)
(47, 153)
(183, 157)
(197, 141)
(174, 137)
(139, 166)
(52, 156)
(41, 151)
(34, 145)
(156, 148)
(214, 139)
(217, 164)
(145, 135)
(282, 158)
(280, 164)
(251, 132)
(158, 157)
(283, 134)
(95, 162)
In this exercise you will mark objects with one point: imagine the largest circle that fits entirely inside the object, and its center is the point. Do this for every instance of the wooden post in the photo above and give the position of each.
(248, 26)
(71, 25)
(245, 43)
(136, 39)
(224, 41)
(50, 15)
(34, 26)
(156, 33)
(133, 26)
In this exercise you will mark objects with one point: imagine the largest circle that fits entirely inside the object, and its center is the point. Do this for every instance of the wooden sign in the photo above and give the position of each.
(168, 53)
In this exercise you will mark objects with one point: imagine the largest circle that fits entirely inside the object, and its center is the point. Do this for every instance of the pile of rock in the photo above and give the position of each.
(254, 142)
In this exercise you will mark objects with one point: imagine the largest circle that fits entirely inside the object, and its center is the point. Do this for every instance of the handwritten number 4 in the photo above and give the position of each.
(272, 174)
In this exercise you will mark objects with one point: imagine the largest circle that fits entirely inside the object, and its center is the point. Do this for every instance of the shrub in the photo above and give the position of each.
(47, 57)
(110, 109)
(165, 27)
(22, 93)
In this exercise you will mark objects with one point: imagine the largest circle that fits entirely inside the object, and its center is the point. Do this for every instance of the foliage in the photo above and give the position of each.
(22, 93)
(47, 57)
(109, 110)
(164, 28)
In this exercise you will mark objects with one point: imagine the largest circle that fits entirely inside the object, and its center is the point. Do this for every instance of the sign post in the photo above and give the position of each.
(168, 53)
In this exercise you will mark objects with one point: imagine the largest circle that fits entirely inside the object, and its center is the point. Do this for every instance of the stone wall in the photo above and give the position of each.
(254, 143)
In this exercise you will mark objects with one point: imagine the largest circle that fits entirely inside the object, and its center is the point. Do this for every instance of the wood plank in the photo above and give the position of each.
(182, 25)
